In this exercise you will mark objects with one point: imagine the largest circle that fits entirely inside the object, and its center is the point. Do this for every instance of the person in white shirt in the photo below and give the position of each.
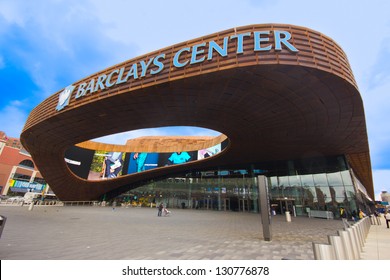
(387, 217)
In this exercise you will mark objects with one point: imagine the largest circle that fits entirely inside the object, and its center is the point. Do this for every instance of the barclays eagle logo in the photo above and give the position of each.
(64, 97)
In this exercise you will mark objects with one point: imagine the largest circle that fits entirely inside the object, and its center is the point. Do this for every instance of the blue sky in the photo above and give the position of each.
(47, 45)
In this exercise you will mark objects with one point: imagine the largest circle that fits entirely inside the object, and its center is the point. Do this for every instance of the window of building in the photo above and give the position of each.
(26, 163)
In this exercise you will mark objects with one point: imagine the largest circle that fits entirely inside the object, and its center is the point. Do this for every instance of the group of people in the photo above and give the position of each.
(359, 214)
(355, 215)
(162, 210)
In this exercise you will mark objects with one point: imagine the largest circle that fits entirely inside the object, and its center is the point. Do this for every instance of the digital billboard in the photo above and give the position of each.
(205, 153)
(113, 164)
(98, 165)
(79, 160)
(139, 162)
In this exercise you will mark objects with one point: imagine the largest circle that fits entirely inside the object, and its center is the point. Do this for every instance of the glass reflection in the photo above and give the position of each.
(236, 190)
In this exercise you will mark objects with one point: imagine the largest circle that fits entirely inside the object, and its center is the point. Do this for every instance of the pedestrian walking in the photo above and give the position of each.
(361, 214)
(166, 212)
(343, 213)
(387, 217)
(160, 208)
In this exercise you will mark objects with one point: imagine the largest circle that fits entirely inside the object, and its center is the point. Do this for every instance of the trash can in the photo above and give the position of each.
(3, 219)
(288, 216)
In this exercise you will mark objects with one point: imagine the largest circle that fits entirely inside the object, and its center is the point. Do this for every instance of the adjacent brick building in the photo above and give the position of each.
(17, 169)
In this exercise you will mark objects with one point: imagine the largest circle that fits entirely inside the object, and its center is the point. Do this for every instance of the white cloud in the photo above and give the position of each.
(10, 11)
(13, 119)
(57, 42)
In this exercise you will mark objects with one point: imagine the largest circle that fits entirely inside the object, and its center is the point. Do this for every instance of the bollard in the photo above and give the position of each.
(338, 247)
(367, 228)
(288, 216)
(30, 208)
(362, 230)
(3, 219)
(347, 243)
(359, 236)
(355, 243)
(323, 252)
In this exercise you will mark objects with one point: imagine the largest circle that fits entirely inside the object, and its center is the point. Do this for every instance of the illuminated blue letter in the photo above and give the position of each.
(120, 75)
(217, 48)
(240, 41)
(91, 86)
(108, 81)
(132, 72)
(176, 62)
(145, 66)
(99, 83)
(81, 90)
(195, 52)
(158, 63)
(258, 40)
(284, 40)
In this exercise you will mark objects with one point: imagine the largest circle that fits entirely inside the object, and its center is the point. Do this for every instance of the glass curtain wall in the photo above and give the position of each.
(323, 191)
(297, 186)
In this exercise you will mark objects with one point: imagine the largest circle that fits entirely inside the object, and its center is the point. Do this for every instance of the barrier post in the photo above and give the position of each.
(338, 247)
(3, 219)
(347, 243)
(323, 252)
(288, 216)
(31, 207)
(355, 243)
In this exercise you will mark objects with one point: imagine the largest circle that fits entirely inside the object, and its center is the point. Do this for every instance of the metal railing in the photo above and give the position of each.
(52, 203)
(320, 214)
(36, 203)
(81, 203)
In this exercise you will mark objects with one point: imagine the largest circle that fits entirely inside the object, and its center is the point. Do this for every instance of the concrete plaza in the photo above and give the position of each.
(100, 233)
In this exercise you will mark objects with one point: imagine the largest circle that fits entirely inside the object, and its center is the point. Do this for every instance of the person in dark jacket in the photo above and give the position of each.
(160, 208)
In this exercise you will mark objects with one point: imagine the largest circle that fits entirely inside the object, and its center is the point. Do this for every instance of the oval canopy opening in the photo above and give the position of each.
(141, 150)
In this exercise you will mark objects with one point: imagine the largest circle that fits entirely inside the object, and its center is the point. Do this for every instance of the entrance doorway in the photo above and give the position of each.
(281, 205)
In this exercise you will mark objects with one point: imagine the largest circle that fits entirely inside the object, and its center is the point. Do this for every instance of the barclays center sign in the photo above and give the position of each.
(191, 55)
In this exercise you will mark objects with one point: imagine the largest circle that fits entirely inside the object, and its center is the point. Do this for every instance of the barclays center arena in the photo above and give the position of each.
(282, 98)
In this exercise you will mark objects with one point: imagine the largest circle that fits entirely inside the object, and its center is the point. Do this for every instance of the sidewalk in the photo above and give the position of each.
(377, 245)
(99, 233)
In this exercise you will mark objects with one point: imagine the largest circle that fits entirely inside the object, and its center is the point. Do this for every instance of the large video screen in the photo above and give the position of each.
(139, 162)
(106, 165)
(109, 165)
(79, 161)
(166, 159)
(205, 153)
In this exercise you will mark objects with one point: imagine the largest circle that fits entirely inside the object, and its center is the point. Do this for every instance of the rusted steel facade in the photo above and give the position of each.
(276, 91)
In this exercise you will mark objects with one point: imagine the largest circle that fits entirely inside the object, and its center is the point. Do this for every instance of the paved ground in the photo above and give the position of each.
(99, 233)
(377, 245)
